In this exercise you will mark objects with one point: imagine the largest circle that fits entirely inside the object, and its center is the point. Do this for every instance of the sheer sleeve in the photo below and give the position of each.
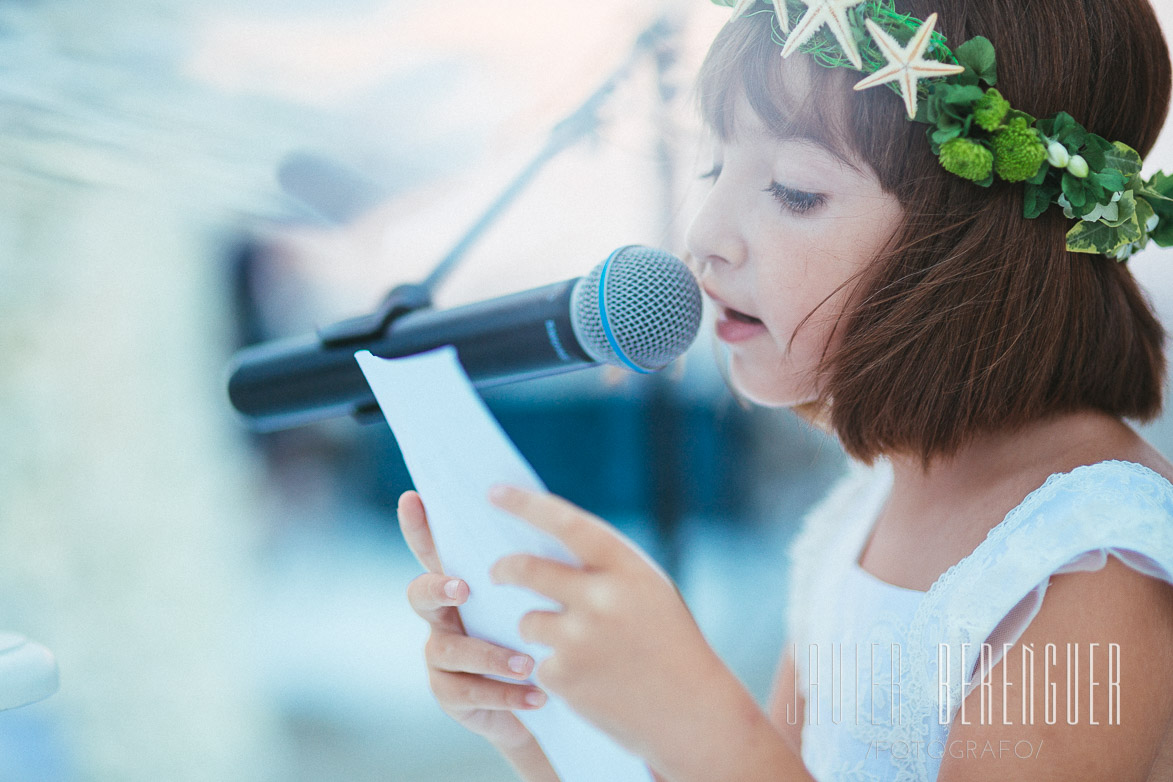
(1014, 624)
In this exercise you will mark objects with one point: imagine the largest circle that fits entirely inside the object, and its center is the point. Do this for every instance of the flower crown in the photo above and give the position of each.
(973, 130)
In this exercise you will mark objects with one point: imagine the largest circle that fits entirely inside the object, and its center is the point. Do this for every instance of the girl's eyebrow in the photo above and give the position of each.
(820, 146)
(792, 133)
(823, 146)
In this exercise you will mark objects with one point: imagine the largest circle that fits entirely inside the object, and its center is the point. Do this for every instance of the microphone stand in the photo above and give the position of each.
(583, 121)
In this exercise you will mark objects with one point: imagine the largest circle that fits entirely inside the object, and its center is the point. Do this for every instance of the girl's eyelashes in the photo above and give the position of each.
(797, 201)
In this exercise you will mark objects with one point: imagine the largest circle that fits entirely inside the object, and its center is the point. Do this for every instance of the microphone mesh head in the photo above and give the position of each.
(639, 309)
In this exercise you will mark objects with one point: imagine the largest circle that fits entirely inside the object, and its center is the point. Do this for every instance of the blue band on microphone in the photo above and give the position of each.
(606, 325)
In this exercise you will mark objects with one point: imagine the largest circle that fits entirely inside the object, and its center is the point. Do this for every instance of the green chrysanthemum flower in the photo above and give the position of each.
(990, 110)
(967, 159)
(1018, 151)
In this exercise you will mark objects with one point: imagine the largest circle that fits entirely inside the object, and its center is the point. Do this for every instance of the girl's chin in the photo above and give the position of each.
(762, 392)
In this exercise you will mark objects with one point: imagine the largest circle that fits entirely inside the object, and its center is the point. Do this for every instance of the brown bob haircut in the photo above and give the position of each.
(974, 319)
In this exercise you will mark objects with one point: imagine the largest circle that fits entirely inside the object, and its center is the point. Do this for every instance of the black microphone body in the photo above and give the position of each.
(639, 309)
(515, 337)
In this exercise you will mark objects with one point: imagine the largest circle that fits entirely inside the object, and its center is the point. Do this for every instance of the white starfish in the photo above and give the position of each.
(783, 17)
(908, 63)
(832, 13)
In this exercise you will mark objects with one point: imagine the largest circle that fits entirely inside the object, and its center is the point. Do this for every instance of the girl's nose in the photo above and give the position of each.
(713, 237)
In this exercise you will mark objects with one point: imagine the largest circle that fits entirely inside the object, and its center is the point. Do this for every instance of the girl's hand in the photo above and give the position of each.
(457, 664)
(627, 653)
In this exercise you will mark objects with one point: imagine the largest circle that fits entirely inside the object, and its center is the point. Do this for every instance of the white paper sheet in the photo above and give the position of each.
(455, 450)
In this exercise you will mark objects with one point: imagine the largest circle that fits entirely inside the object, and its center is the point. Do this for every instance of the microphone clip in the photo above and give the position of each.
(402, 299)
(405, 298)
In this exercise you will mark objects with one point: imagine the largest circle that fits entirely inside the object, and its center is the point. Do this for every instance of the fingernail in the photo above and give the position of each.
(451, 587)
(535, 698)
(499, 493)
(519, 663)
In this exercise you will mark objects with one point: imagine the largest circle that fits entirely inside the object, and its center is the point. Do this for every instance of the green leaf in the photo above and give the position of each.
(1163, 236)
(966, 78)
(1040, 175)
(1123, 158)
(1110, 179)
(1163, 233)
(1015, 114)
(963, 96)
(933, 107)
(1145, 189)
(948, 121)
(942, 135)
(1101, 239)
(1064, 121)
(1074, 137)
(1074, 190)
(1126, 210)
(1158, 192)
(1144, 212)
(1037, 200)
(977, 54)
(1053, 126)
(1161, 204)
(1161, 183)
(1089, 206)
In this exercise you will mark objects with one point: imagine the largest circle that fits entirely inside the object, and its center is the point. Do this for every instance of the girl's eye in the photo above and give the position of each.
(796, 201)
(713, 172)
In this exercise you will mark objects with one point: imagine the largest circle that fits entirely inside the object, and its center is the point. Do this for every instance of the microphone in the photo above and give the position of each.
(639, 309)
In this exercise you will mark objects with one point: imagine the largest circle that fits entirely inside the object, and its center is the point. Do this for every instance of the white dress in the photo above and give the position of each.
(871, 649)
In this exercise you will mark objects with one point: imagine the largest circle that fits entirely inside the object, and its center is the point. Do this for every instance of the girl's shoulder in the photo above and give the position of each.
(1117, 625)
(1108, 507)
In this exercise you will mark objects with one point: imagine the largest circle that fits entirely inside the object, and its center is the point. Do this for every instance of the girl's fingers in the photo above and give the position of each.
(413, 522)
(458, 653)
(542, 627)
(588, 537)
(434, 596)
(556, 580)
(460, 692)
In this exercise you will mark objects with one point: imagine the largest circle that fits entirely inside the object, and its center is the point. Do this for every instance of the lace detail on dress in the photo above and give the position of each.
(1112, 506)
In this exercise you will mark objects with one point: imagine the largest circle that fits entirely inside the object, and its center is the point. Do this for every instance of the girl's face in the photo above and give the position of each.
(786, 223)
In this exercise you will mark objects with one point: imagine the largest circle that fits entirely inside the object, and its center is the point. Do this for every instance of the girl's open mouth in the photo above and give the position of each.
(735, 326)
(741, 317)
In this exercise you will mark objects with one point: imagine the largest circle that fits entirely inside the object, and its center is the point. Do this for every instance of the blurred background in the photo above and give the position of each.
(180, 179)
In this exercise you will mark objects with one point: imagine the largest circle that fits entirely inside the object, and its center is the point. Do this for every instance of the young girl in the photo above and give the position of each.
(956, 306)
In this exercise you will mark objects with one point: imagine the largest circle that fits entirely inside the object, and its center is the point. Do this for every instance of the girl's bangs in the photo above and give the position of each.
(794, 98)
